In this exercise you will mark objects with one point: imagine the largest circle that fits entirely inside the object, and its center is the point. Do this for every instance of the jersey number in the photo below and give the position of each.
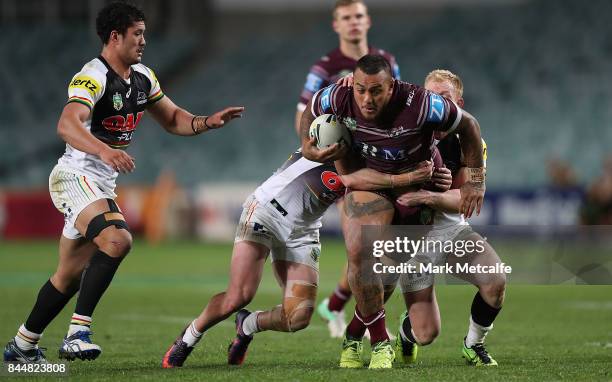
(121, 123)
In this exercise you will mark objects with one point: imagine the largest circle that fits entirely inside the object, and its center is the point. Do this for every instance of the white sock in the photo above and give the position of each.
(77, 328)
(25, 339)
(192, 336)
(476, 333)
(249, 325)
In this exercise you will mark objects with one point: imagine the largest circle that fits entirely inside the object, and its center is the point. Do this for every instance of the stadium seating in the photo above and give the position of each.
(536, 76)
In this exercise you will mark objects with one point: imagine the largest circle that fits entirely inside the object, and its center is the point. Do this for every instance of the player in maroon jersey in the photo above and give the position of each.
(392, 124)
(351, 22)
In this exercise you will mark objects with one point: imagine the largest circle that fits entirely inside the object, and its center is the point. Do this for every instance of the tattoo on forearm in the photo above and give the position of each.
(353, 208)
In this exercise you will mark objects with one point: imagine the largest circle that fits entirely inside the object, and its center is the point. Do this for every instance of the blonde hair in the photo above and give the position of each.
(346, 3)
(440, 75)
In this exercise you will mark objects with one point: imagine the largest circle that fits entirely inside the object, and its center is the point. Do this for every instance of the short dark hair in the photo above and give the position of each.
(346, 3)
(373, 64)
(117, 16)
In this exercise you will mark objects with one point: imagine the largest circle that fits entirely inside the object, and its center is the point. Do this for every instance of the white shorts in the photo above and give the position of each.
(413, 282)
(71, 192)
(264, 225)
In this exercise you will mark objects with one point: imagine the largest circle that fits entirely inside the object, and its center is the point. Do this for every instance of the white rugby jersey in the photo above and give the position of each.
(301, 190)
(116, 105)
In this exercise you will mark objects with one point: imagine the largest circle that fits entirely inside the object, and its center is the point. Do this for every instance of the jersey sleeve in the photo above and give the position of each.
(316, 79)
(394, 68)
(86, 87)
(329, 100)
(438, 113)
(156, 93)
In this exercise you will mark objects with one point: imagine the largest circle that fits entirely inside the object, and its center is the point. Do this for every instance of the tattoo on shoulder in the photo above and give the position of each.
(353, 208)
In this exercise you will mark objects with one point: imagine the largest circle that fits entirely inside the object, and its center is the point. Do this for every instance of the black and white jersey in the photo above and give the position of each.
(117, 106)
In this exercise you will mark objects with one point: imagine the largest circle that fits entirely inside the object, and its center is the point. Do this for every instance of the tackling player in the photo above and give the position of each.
(107, 100)
(393, 124)
(281, 219)
(351, 22)
(421, 323)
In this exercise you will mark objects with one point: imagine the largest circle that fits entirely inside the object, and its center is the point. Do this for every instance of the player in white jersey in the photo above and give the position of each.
(421, 323)
(280, 219)
(107, 100)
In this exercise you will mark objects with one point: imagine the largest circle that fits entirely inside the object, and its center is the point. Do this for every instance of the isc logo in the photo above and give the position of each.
(121, 123)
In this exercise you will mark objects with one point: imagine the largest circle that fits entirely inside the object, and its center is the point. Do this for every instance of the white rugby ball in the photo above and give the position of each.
(327, 130)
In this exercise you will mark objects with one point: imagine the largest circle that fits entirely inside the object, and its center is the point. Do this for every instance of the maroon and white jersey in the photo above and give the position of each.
(402, 136)
(333, 66)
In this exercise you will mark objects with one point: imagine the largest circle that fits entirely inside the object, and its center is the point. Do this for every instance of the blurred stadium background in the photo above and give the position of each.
(536, 75)
(535, 72)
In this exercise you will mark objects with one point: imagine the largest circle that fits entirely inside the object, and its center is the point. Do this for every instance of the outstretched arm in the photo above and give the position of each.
(367, 179)
(178, 121)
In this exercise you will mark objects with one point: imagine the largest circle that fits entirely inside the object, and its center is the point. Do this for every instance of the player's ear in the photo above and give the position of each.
(114, 36)
(460, 102)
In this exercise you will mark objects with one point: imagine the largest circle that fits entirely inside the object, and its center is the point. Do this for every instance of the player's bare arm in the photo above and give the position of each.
(71, 129)
(178, 121)
(309, 145)
(448, 201)
(472, 192)
(367, 179)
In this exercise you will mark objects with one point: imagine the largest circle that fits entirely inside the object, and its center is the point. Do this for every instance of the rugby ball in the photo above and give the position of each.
(327, 130)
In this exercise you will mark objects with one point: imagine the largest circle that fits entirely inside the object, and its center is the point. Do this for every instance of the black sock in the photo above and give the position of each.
(407, 329)
(96, 278)
(49, 303)
(482, 313)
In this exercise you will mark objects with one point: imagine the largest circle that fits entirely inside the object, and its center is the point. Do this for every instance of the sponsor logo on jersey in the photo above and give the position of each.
(313, 82)
(386, 153)
(350, 123)
(436, 109)
(121, 123)
(141, 99)
(84, 82)
(410, 97)
(117, 101)
(129, 93)
(325, 98)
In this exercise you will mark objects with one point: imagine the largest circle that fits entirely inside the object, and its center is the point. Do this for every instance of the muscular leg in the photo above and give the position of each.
(299, 284)
(113, 244)
(488, 301)
(365, 208)
(55, 293)
(246, 269)
(422, 325)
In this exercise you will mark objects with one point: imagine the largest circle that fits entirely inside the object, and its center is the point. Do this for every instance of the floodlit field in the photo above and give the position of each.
(543, 333)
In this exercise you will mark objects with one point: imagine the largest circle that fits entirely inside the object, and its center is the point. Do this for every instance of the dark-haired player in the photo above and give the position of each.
(351, 22)
(393, 124)
(107, 99)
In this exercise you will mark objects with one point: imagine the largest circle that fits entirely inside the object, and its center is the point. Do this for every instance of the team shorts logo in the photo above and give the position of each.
(315, 253)
(117, 101)
(84, 82)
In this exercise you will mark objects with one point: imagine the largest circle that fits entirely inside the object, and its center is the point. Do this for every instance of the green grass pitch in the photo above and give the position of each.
(561, 332)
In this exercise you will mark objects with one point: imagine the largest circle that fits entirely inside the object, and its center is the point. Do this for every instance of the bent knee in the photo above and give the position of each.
(114, 241)
(494, 293)
(299, 319)
(426, 335)
(236, 301)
